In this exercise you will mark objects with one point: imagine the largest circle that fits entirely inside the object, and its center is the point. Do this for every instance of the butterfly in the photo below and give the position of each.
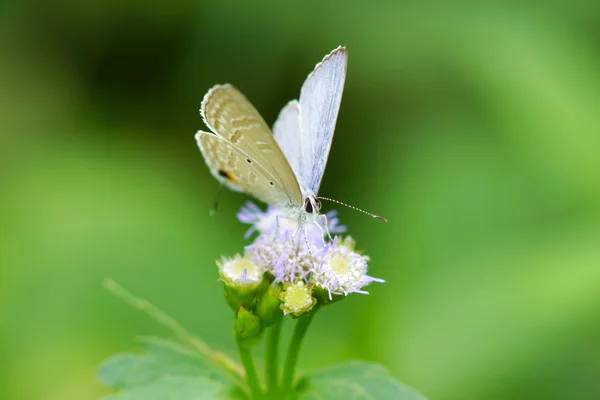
(283, 168)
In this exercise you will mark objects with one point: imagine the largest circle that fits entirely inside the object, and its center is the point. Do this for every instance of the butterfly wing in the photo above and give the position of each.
(320, 100)
(286, 132)
(230, 166)
(228, 113)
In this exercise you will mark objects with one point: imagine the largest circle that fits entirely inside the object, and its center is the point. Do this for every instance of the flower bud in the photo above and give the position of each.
(268, 307)
(297, 298)
(241, 278)
(247, 326)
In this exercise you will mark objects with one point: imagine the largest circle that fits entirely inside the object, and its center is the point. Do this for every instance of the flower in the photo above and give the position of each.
(240, 271)
(265, 222)
(291, 256)
(342, 271)
(297, 298)
(286, 260)
(289, 266)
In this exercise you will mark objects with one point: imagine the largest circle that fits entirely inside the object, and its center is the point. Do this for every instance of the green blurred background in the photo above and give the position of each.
(475, 129)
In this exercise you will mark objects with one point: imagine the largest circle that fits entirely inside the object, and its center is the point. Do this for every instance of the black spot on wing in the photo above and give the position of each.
(225, 175)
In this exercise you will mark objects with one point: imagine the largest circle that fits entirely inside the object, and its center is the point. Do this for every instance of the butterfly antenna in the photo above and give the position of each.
(213, 209)
(354, 208)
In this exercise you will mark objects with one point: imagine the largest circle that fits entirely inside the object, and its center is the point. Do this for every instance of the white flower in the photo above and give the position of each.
(290, 257)
(341, 270)
(240, 271)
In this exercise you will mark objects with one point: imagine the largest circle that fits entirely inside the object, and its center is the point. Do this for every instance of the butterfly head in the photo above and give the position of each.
(312, 205)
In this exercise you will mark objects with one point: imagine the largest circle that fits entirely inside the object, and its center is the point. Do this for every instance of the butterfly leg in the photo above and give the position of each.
(306, 238)
(304, 226)
(326, 225)
(294, 234)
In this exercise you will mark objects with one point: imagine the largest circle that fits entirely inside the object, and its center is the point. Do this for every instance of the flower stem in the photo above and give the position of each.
(291, 359)
(251, 375)
(271, 356)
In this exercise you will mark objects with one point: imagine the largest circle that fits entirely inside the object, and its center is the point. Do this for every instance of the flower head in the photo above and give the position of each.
(341, 270)
(295, 256)
(240, 271)
(292, 254)
(243, 281)
(297, 298)
(286, 260)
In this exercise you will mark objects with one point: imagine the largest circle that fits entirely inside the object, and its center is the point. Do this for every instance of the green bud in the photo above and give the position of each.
(268, 307)
(247, 326)
(297, 299)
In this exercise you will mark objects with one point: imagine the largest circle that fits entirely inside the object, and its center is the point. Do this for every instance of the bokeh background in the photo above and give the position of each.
(475, 129)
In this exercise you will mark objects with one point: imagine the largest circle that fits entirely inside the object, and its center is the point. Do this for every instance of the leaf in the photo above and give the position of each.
(172, 387)
(355, 380)
(164, 370)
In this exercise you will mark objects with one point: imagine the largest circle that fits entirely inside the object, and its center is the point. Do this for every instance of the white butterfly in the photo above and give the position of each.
(283, 169)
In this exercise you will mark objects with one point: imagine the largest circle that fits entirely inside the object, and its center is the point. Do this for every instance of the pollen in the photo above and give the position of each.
(340, 264)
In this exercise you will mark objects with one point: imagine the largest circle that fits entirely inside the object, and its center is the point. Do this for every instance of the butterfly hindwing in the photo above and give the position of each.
(228, 113)
(286, 131)
(238, 171)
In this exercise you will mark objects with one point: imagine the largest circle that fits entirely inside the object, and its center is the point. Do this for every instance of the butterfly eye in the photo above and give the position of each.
(317, 204)
(308, 207)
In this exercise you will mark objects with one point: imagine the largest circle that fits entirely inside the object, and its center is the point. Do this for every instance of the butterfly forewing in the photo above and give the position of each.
(230, 166)
(320, 100)
(228, 113)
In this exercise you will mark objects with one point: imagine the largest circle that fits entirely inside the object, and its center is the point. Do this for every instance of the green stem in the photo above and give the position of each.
(271, 356)
(291, 359)
(251, 375)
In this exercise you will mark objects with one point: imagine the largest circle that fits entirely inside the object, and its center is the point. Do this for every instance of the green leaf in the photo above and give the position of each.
(355, 380)
(174, 387)
(164, 370)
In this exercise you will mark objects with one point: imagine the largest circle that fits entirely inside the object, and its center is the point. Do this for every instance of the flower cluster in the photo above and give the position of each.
(299, 260)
